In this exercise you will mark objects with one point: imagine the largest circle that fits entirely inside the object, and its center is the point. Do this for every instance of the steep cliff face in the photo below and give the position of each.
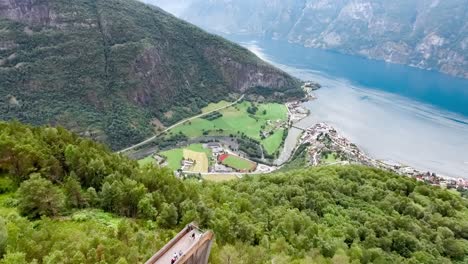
(29, 11)
(429, 34)
(241, 77)
(108, 68)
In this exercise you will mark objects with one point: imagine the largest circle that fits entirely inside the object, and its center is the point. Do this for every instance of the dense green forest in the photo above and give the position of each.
(65, 199)
(108, 69)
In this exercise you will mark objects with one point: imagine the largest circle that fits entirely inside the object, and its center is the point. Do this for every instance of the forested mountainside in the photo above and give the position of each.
(64, 199)
(110, 69)
(430, 34)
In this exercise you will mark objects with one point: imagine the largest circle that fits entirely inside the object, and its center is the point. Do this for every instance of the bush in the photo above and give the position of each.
(6, 185)
(39, 197)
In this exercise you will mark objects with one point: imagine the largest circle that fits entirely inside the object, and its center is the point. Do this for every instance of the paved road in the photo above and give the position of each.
(177, 124)
(183, 244)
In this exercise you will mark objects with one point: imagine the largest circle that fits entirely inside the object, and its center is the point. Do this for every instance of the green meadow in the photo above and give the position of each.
(236, 120)
(175, 156)
(238, 163)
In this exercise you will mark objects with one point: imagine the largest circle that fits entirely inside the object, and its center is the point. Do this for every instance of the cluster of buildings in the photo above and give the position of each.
(444, 182)
(311, 86)
(296, 112)
(187, 164)
(324, 138)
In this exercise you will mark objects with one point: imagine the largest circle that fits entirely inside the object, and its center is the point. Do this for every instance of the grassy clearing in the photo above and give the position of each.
(214, 106)
(174, 158)
(200, 148)
(331, 158)
(4, 210)
(273, 142)
(102, 217)
(146, 161)
(220, 177)
(236, 120)
(238, 163)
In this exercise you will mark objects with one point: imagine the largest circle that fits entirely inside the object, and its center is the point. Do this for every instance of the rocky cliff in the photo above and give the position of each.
(429, 34)
(110, 68)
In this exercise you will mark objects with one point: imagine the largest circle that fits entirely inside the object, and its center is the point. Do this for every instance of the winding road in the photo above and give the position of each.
(177, 124)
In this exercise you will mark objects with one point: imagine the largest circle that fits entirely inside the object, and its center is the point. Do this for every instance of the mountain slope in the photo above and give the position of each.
(429, 34)
(108, 69)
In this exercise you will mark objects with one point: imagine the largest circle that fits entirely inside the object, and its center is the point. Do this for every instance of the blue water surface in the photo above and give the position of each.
(393, 112)
(430, 87)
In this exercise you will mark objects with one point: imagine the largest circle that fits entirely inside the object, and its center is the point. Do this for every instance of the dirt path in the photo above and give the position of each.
(178, 124)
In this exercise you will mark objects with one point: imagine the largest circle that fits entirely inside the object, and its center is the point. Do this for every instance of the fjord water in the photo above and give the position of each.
(392, 112)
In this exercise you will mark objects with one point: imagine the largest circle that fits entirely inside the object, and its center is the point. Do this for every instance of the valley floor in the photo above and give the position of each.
(227, 139)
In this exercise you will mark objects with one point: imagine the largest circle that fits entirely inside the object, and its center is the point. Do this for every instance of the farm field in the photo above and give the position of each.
(199, 148)
(220, 177)
(200, 158)
(214, 106)
(236, 120)
(175, 156)
(238, 163)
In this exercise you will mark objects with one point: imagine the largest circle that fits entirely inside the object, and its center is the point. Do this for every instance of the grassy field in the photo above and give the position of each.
(200, 148)
(237, 120)
(200, 158)
(273, 142)
(174, 158)
(214, 106)
(238, 163)
(146, 161)
(220, 177)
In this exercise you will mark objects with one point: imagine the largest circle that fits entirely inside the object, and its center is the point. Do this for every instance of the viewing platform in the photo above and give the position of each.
(189, 246)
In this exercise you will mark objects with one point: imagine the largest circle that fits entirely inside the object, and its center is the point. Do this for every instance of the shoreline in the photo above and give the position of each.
(298, 136)
(316, 132)
(296, 110)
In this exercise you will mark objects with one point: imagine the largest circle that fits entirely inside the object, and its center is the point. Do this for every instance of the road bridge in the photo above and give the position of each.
(190, 246)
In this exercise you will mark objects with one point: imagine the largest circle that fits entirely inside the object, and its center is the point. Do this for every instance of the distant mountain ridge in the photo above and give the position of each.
(110, 69)
(429, 34)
